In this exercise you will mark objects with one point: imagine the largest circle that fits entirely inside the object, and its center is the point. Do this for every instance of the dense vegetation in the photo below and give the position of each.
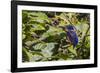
(44, 40)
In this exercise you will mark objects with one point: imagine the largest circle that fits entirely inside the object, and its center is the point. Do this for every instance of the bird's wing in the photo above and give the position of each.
(73, 37)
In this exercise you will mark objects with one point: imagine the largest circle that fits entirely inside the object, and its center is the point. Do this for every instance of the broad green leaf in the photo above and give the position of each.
(39, 46)
(28, 56)
(36, 57)
(47, 51)
(53, 31)
(28, 43)
(39, 16)
(36, 53)
(25, 18)
(72, 50)
(62, 56)
(37, 27)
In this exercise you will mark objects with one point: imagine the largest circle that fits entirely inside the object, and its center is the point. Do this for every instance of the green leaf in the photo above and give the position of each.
(27, 55)
(36, 53)
(37, 27)
(47, 51)
(63, 56)
(25, 18)
(28, 43)
(39, 46)
(39, 16)
(72, 50)
(53, 31)
(36, 57)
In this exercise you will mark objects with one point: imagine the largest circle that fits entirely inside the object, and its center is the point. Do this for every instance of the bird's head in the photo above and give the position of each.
(68, 28)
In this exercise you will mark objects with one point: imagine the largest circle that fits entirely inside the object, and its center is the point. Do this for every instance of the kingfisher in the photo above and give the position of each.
(71, 34)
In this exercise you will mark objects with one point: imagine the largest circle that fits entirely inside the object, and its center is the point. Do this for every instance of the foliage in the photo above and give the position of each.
(44, 40)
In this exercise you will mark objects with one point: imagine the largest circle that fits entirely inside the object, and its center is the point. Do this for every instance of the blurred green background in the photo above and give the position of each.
(43, 40)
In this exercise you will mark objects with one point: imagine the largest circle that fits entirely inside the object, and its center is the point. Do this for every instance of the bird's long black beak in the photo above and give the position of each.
(63, 27)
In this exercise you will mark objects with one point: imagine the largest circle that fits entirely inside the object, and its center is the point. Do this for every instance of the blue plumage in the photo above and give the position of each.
(71, 35)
